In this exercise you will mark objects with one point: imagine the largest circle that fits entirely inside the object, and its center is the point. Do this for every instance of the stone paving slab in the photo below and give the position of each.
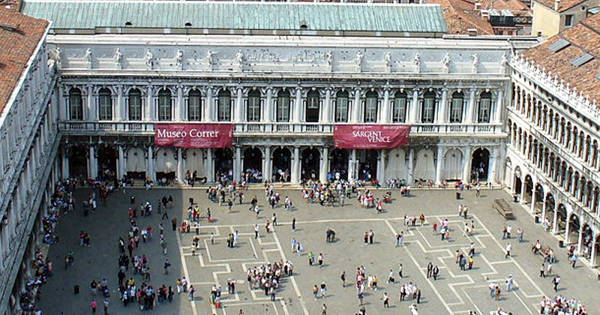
(455, 292)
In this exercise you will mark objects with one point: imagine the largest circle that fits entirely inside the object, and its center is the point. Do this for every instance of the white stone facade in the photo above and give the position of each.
(452, 91)
(28, 170)
(552, 155)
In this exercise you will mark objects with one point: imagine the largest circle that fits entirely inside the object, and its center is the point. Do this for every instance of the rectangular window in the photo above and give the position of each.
(283, 109)
(341, 109)
(428, 110)
(224, 108)
(164, 108)
(194, 108)
(370, 110)
(399, 110)
(105, 107)
(569, 20)
(75, 108)
(253, 109)
(135, 107)
(456, 110)
(485, 105)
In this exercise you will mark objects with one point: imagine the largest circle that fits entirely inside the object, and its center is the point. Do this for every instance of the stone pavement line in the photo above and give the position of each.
(185, 270)
(292, 276)
(419, 268)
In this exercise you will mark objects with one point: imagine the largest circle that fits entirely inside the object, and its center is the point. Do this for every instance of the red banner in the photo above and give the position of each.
(198, 136)
(370, 136)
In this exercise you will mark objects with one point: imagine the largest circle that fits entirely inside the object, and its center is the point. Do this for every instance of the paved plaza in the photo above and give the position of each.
(454, 292)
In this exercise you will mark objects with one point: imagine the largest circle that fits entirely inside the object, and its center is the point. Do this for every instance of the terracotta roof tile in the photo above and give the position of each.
(563, 5)
(460, 17)
(584, 38)
(17, 47)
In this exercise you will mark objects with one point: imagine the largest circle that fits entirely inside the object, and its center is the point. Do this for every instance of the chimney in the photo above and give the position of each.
(477, 5)
(472, 32)
(556, 4)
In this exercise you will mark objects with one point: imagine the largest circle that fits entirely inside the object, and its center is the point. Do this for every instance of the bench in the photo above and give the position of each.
(503, 208)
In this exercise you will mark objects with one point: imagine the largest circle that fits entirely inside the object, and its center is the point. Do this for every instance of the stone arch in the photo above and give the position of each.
(480, 164)
(425, 166)
(453, 161)
(136, 163)
(396, 164)
(252, 165)
(573, 229)
(517, 181)
(282, 164)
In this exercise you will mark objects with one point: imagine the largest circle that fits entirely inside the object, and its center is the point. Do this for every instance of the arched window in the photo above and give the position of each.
(456, 107)
(485, 106)
(370, 113)
(282, 107)
(224, 106)
(428, 107)
(194, 105)
(75, 104)
(135, 104)
(341, 106)
(164, 104)
(105, 104)
(312, 106)
(253, 110)
(399, 108)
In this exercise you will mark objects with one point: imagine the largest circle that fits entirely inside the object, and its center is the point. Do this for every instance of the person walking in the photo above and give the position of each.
(508, 248)
(436, 272)
(343, 278)
(256, 228)
(509, 283)
(555, 282)
(543, 270)
(429, 269)
(106, 302)
(294, 224)
(400, 269)
(386, 300)
(93, 306)
(192, 291)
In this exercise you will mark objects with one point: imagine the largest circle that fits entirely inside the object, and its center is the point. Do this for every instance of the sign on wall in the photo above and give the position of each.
(197, 136)
(370, 136)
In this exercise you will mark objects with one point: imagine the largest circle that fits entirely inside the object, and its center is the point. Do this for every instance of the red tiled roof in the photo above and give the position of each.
(17, 47)
(563, 5)
(584, 38)
(460, 17)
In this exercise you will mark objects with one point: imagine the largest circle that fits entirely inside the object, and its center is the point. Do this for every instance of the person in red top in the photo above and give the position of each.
(93, 305)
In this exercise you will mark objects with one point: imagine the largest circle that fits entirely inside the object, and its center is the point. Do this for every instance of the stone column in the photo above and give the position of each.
(268, 108)
(493, 166)
(470, 106)
(122, 166)
(594, 251)
(467, 165)
(411, 157)
(568, 228)
(239, 106)
(93, 163)
(267, 167)
(555, 219)
(119, 113)
(440, 117)
(385, 111)
(295, 176)
(65, 163)
(438, 166)
(533, 192)
(324, 166)
(178, 111)
(298, 105)
(210, 165)
(414, 112)
(381, 166)
(179, 166)
(580, 237)
(208, 105)
(237, 163)
(149, 112)
(543, 210)
(498, 108)
(326, 107)
(92, 110)
(151, 173)
(523, 187)
(356, 105)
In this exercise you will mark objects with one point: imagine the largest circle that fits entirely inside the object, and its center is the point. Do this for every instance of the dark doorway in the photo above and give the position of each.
(107, 162)
(223, 164)
(310, 164)
(252, 165)
(480, 165)
(78, 161)
(367, 169)
(339, 164)
(282, 164)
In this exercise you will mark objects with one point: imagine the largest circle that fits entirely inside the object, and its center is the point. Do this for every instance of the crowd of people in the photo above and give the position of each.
(562, 305)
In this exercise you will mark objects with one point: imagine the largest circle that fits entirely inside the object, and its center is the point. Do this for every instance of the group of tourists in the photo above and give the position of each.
(562, 305)
(268, 276)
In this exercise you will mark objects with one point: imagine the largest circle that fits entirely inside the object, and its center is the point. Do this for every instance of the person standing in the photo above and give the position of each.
(508, 248)
(509, 283)
(106, 302)
(371, 235)
(400, 269)
(93, 306)
(429, 269)
(386, 300)
(192, 291)
(543, 270)
(555, 282)
(324, 308)
(323, 289)
(256, 231)
(436, 272)
(294, 224)
(343, 278)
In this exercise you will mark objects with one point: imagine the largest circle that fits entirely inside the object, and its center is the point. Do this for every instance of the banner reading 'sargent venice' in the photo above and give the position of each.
(370, 136)
(198, 136)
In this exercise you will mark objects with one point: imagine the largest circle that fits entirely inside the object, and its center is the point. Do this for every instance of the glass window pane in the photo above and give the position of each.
(399, 109)
(341, 107)
(135, 105)
(456, 108)
(224, 106)
(253, 110)
(428, 110)
(194, 105)
(164, 105)
(75, 105)
(371, 108)
(105, 104)
(283, 107)
(485, 104)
